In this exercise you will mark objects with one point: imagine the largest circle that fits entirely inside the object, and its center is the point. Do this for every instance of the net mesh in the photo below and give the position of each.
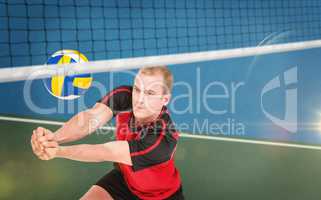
(32, 30)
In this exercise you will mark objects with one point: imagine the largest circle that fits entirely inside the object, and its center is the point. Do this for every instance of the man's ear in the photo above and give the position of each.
(166, 99)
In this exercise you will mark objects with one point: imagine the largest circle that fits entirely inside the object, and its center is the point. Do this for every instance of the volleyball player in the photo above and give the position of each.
(145, 144)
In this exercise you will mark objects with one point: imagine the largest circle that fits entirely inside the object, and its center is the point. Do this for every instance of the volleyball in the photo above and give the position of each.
(68, 87)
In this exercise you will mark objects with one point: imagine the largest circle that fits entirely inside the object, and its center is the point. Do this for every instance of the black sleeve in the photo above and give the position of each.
(119, 99)
(154, 148)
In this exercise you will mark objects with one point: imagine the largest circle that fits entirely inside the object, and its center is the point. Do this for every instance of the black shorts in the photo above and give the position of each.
(115, 185)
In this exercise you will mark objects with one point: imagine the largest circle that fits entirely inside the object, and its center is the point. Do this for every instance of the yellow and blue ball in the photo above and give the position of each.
(68, 87)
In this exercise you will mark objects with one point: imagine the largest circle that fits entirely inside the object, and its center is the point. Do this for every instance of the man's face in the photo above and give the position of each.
(148, 95)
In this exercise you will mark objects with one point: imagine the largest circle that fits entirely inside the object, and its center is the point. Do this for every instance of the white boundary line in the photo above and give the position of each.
(10, 74)
(185, 135)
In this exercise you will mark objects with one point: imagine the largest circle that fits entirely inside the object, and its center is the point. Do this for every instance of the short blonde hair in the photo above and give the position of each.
(163, 70)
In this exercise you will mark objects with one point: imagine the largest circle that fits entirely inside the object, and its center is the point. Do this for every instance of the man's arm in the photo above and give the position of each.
(76, 128)
(88, 121)
(116, 151)
(84, 123)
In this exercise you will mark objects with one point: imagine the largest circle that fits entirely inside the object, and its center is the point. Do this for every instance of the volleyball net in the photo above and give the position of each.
(120, 35)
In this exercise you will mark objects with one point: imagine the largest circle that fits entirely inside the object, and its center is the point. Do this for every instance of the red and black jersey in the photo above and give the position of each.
(153, 174)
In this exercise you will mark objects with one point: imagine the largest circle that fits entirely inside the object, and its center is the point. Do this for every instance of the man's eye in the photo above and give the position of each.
(150, 93)
(136, 89)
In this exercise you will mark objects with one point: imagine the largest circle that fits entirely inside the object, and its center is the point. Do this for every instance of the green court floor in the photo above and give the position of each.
(210, 170)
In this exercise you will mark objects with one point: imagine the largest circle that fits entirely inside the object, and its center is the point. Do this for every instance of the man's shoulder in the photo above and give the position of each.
(168, 126)
(165, 116)
(123, 88)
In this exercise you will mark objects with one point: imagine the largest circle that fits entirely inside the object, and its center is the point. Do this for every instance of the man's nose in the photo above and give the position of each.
(141, 98)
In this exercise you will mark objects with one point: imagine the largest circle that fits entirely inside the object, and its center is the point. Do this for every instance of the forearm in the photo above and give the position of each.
(95, 153)
(84, 152)
(84, 123)
(74, 129)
